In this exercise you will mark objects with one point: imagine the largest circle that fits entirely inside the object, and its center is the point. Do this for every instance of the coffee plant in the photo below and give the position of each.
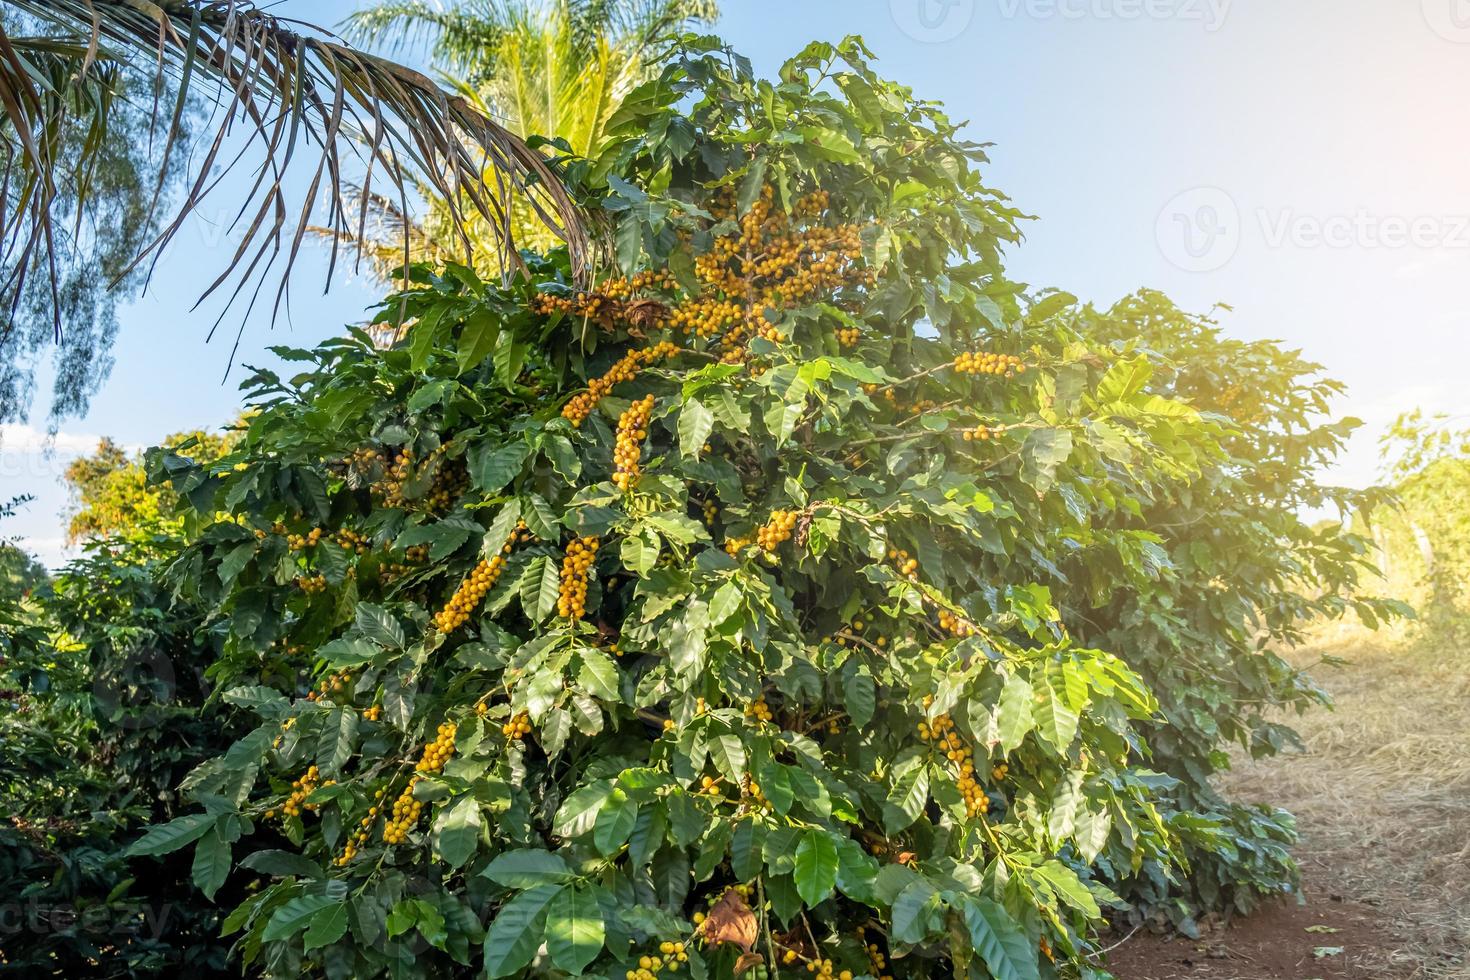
(764, 607)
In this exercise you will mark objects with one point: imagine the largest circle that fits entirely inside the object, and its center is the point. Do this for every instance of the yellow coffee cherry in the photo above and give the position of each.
(518, 727)
(437, 752)
(628, 449)
(777, 529)
(477, 584)
(571, 600)
(625, 369)
(982, 362)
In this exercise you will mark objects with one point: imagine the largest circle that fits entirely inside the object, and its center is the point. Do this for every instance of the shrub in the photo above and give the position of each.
(105, 718)
(769, 604)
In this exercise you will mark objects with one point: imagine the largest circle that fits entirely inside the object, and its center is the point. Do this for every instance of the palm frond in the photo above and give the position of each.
(292, 86)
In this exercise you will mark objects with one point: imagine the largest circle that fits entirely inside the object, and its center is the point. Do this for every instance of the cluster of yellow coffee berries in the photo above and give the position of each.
(355, 841)
(777, 530)
(628, 451)
(759, 710)
(330, 687)
(405, 814)
(352, 541)
(876, 958)
(707, 316)
(754, 798)
(302, 788)
(670, 955)
(983, 362)
(311, 584)
(373, 713)
(848, 336)
(437, 752)
(476, 584)
(517, 728)
(955, 625)
(984, 433)
(824, 968)
(390, 488)
(736, 544)
(449, 481)
(626, 369)
(904, 563)
(571, 600)
(709, 786)
(300, 542)
(886, 391)
(942, 733)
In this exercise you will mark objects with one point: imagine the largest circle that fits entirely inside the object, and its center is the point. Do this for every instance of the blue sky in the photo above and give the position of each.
(1305, 162)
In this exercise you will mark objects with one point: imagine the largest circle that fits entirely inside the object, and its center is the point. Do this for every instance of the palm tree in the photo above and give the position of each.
(294, 90)
(557, 69)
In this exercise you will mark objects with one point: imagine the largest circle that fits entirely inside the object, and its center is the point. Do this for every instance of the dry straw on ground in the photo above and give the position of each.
(1382, 794)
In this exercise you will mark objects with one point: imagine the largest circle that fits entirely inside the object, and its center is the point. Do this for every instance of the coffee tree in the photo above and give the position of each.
(708, 620)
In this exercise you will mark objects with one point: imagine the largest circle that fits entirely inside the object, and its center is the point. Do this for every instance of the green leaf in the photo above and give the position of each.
(457, 831)
(517, 931)
(493, 468)
(294, 916)
(915, 911)
(999, 941)
(527, 868)
(1055, 718)
(906, 799)
(334, 744)
(378, 625)
(861, 697)
(696, 422)
(614, 822)
(177, 833)
(578, 812)
(574, 929)
(746, 849)
(1043, 452)
(816, 866)
(599, 675)
(477, 338)
(540, 587)
(327, 926)
(727, 752)
(1013, 714)
(211, 862)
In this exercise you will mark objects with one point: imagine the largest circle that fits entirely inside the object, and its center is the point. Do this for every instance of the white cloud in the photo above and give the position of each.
(30, 440)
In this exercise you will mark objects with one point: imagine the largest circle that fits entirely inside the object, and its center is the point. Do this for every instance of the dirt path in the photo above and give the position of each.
(1382, 796)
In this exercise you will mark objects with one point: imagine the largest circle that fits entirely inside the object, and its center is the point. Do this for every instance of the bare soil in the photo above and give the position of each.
(1382, 797)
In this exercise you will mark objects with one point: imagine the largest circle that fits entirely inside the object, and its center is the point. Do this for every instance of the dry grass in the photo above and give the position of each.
(1383, 793)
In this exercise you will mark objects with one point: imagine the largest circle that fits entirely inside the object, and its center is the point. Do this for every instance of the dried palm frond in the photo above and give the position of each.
(291, 85)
